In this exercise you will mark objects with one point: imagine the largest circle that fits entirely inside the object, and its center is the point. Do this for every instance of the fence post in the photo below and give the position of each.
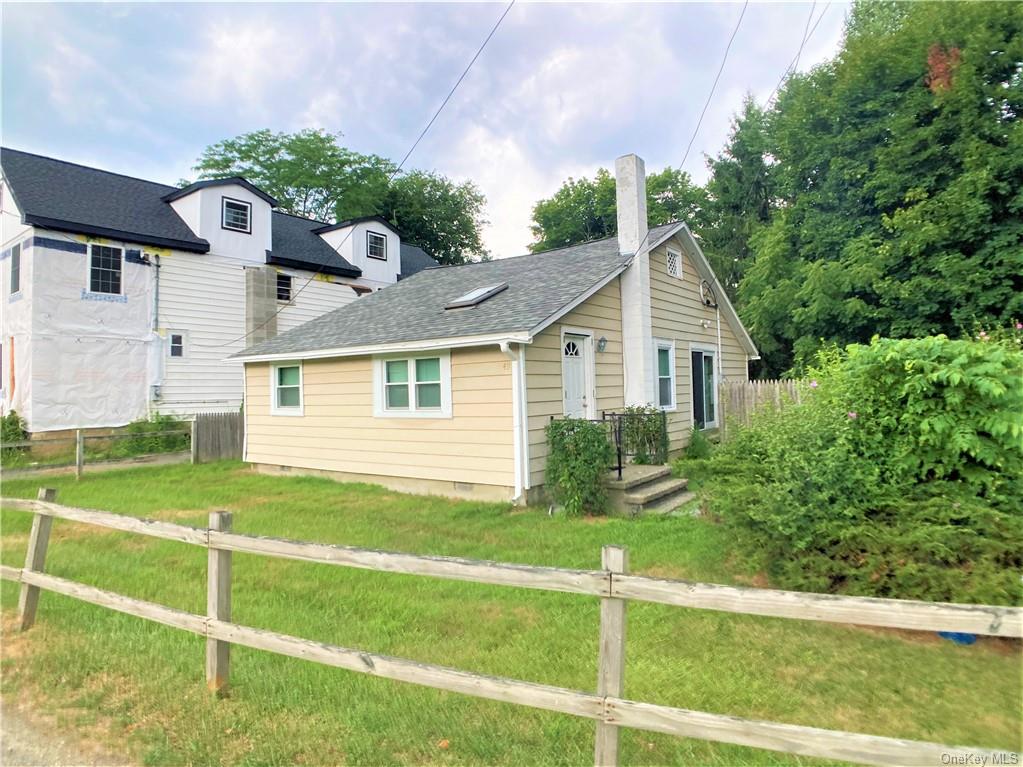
(79, 453)
(611, 661)
(218, 606)
(35, 559)
(191, 441)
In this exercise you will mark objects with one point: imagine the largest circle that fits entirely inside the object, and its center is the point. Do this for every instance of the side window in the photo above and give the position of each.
(177, 344)
(283, 287)
(674, 264)
(665, 374)
(287, 390)
(105, 269)
(16, 268)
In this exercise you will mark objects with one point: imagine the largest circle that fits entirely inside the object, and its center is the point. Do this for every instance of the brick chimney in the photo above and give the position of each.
(630, 189)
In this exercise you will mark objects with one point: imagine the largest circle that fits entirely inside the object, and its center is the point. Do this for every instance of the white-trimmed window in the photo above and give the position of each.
(376, 245)
(176, 344)
(286, 389)
(236, 215)
(674, 264)
(105, 263)
(15, 268)
(417, 387)
(664, 361)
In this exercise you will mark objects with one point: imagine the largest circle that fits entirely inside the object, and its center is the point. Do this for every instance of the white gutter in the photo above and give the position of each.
(520, 443)
(454, 342)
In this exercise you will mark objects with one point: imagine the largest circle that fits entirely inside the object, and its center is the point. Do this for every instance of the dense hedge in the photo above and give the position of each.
(899, 474)
(578, 456)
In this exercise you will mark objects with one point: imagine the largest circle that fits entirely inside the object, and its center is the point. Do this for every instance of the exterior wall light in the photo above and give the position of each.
(601, 344)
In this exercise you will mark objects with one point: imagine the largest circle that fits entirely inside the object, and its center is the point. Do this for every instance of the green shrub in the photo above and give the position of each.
(142, 440)
(699, 446)
(12, 429)
(899, 474)
(578, 456)
(644, 434)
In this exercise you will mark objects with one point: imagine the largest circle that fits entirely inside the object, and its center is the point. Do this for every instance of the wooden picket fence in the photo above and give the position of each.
(217, 437)
(739, 400)
(612, 584)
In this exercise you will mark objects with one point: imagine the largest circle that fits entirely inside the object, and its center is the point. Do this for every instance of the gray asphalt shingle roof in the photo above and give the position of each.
(539, 285)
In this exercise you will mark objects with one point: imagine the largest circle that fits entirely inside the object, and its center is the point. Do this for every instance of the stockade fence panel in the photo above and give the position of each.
(739, 400)
(217, 437)
(612, 584)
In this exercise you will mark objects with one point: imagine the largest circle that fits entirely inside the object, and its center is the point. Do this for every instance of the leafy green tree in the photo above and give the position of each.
(585, 209)
(312, 175)
(740, 189)
(898, 178)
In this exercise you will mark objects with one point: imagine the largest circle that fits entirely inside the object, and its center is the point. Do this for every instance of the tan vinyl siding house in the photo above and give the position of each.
(445, 382)
(337, 431)
(678, 313)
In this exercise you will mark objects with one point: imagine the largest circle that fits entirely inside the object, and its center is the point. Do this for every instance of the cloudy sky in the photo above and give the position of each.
(561, 90)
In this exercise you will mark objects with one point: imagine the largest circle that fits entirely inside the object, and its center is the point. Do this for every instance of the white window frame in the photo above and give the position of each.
(669, 344)
(370, 234)
(380, 409)
(289, 411)
(170, 343)
(88, 268)
(698, 347)
(223, 215)
(669, 252)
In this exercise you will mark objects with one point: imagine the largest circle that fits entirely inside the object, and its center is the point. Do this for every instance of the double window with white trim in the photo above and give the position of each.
(286, 389)
(664, 362)
(415, 387)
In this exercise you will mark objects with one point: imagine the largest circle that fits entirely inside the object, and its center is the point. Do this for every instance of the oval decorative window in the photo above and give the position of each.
(571, 349)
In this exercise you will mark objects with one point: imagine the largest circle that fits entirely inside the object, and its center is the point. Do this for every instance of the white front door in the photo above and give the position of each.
(574, 349)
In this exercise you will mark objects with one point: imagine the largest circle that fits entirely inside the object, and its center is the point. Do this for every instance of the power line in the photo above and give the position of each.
(394, 173)
(715, 84)
(806, 38)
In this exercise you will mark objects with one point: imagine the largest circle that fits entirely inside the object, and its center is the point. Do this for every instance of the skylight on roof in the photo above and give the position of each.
(476, 296)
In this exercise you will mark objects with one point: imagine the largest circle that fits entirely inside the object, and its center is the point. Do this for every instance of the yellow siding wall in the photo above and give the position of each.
(601, 314)
(339, 433)
(676, 311)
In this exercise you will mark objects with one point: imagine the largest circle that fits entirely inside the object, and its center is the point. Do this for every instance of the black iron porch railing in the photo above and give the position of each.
(641, 436)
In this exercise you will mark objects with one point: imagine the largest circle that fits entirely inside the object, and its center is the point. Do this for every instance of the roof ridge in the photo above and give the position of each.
(89, 167)
(526, 255)
(300, 218)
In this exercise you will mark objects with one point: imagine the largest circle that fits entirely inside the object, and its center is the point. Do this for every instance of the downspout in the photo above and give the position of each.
(516, 382)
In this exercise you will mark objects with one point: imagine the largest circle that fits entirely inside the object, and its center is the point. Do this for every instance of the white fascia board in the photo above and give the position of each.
(707, 272)
(428, 344)
(589, 292)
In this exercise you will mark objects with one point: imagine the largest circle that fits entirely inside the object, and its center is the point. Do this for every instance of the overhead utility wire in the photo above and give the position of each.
(394, 173)
(715, 84)
(807, 34)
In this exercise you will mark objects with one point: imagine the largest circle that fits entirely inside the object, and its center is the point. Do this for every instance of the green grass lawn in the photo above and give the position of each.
(139, 687)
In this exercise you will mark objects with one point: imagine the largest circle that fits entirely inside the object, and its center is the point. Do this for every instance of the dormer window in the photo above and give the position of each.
(237, 215)
(376, 245)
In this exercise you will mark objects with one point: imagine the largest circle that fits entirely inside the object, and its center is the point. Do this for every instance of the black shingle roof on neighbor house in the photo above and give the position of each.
(414, 259)
(73, 198)
(294, 244)
(60, 195)
(539, 286)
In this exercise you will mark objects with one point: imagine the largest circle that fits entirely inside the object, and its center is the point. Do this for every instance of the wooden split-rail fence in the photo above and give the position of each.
(613, 585)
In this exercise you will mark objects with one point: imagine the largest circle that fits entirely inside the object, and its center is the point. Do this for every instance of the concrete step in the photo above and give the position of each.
(646, 494)
(635, 475)
(670, 503)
